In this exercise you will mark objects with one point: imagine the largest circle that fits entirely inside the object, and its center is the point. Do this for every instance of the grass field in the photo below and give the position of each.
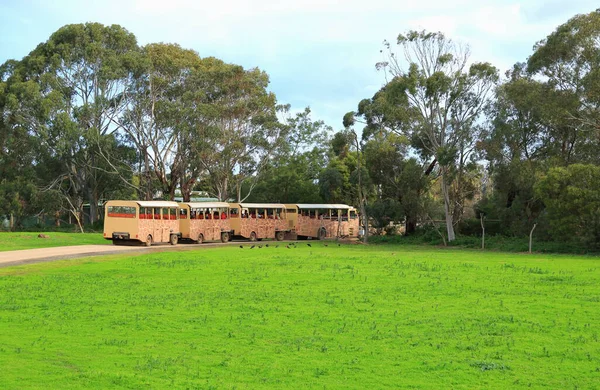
(318, 317)
(15, 241)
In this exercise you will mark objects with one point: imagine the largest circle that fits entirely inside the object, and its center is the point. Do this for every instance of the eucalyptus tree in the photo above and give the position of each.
(397, 177)
(568, 63)
(156, 121)
(438, 99)
(237, 130)
(291, 175)
(70, 90)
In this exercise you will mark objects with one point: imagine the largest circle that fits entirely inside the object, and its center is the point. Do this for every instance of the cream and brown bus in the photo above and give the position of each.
(323, 220)
(144, 221)
(205, 221)
(256, 221)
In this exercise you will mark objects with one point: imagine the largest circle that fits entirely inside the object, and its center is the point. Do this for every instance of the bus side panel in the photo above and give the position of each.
(159, 229)
(211, 229)
(309, 227)
(264, 228)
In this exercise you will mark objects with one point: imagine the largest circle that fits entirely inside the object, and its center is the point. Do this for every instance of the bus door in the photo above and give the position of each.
(163, 227)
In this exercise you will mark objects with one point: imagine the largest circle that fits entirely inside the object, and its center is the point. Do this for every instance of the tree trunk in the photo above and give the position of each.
(172, 188)
(531, 236)
(482, 231)
(410, 226)
(447, 210)
(93, 199)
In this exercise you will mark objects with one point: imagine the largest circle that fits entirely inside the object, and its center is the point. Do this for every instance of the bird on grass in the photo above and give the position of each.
(266, 246)
(260, 246)
(287, 246)
(241, 246)
(252, 247)
(309, 245)
(325, 245)
(339, 244)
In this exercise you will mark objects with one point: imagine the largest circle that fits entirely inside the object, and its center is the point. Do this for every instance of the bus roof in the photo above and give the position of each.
(323, 206)
(206, 204)
(262, 205)
(156, 203)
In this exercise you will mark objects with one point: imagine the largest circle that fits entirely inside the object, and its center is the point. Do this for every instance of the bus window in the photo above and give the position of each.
(270, 213)
(352, 214)
(182, 213)
(252, 213)
(145, 213)
(312, 213)
(245, 213)
(121, 211)
(223, 213)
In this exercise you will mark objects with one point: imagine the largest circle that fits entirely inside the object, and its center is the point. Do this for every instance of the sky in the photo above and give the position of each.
(318, 53)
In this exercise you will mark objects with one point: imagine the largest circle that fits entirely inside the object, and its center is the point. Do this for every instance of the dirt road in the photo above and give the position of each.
(28, 256)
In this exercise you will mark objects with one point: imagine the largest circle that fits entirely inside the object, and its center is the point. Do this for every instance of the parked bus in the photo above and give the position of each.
(205, 221)
(323, 220)
(256, 221)
(145, 221)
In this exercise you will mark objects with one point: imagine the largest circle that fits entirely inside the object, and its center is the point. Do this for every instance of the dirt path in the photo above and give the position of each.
(28, 256)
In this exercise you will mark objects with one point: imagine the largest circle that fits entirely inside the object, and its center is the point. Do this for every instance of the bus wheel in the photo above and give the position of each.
(148, 240)
(279, 236)
(252, 236)
(173, 240)
(200, 239)
(322, 234)
(224, 237)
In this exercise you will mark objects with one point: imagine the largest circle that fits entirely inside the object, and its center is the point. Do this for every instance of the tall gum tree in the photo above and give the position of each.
(237, 130)
(439, 98)
(71, 91)
(568, 62)
(154, 122)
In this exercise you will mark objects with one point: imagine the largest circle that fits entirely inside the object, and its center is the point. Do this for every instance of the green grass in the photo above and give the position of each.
(321, 317)
(15, 241)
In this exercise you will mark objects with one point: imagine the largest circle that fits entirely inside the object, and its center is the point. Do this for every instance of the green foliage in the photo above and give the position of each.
(334, 317)
(383, 212)
(572, 202)
(293, 172)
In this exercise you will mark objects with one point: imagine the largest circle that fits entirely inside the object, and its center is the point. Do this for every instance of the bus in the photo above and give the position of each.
(148, 222)
(323, 221)
(256, 221)
(205, 221)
